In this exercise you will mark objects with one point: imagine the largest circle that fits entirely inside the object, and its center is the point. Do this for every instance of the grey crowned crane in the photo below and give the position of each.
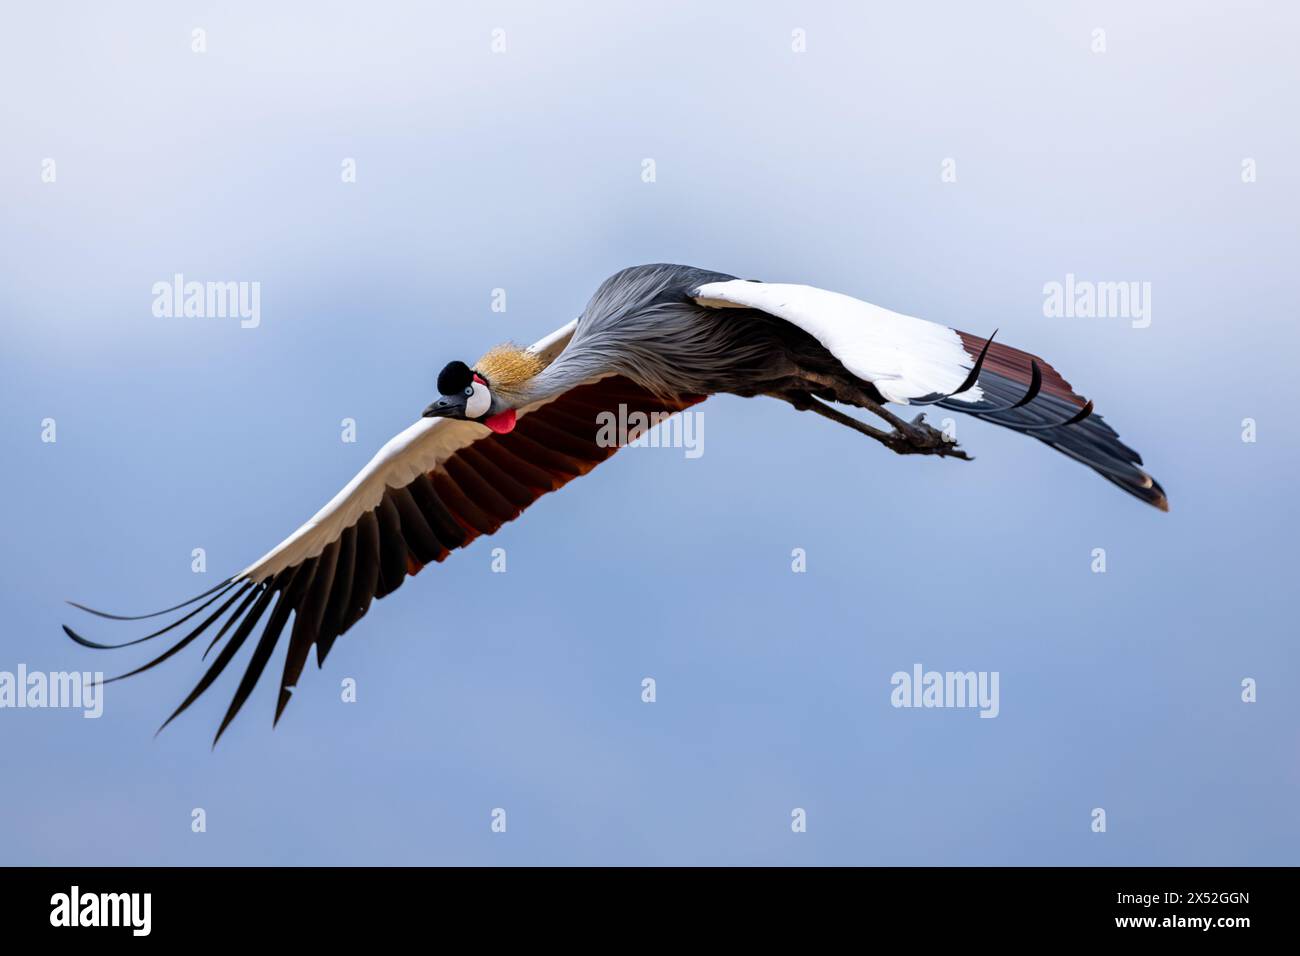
(520, 422)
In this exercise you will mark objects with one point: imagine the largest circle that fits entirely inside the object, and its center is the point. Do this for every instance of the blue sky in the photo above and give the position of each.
(522, 170)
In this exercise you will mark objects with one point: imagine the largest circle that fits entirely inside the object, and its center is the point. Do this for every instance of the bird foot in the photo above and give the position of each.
(919, 438)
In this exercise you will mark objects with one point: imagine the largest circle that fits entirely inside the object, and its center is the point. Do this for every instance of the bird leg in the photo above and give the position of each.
(907, 438)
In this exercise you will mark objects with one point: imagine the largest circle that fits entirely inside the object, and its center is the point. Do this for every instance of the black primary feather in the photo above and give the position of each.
(142, 617)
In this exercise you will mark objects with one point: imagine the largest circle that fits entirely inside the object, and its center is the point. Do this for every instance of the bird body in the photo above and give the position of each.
(522, 422)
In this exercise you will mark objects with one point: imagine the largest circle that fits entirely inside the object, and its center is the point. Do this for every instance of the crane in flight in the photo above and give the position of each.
(520, 422)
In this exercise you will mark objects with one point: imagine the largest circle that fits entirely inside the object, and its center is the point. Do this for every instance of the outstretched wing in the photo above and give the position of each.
(914, 362)
(905, 358)
(431, 490)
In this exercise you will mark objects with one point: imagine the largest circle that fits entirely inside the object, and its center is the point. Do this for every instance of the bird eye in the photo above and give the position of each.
(470, 390)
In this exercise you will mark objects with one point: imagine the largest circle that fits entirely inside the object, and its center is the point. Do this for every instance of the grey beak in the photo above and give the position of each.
(445, 407)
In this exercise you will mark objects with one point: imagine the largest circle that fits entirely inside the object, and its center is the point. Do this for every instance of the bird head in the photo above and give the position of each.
(463, 394)
(489, 392)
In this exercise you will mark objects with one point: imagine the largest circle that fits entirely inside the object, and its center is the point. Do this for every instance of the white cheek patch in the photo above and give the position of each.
(478, 404)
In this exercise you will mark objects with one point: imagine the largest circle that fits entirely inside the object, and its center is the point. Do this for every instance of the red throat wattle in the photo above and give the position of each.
(501, 422)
